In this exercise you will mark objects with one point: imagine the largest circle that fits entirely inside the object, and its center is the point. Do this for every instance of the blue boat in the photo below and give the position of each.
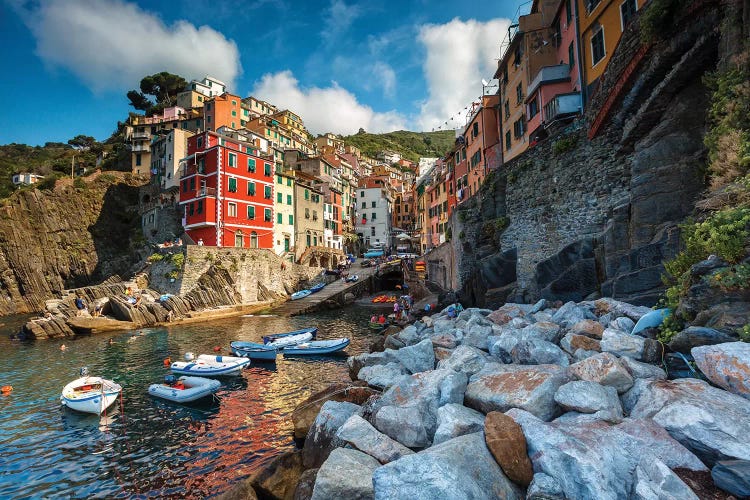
(253, 350)
(267, 339)
(301, 294)
(317, 287)
(373, 253)
(271, 344)
(316, 347)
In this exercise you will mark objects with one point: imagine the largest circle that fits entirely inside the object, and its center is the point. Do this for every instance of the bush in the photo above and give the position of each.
(48, 183)
(155, 257)
(657, 20)
(564, 145)
(461, 235)
(178, 259)
(744, 333)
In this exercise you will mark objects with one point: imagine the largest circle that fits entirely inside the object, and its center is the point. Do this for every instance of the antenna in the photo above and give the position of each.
(485, 82)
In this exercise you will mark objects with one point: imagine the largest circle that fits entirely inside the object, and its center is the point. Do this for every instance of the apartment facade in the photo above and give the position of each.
(167, 151)
(308, 216)
(374, 212)
(284, 225)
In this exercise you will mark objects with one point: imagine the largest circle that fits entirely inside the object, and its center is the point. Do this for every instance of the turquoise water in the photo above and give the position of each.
(146, 447)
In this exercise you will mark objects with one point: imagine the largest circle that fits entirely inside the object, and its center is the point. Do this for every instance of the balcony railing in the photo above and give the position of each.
(562, 105)
(140, 148)
(550, 74)
(206, 191)
(141, 135)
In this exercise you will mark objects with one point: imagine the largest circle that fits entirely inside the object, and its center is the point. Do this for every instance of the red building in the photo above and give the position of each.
(226, 191)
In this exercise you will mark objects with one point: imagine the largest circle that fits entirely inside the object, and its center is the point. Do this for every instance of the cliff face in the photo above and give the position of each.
(576, 217)
(74, 235)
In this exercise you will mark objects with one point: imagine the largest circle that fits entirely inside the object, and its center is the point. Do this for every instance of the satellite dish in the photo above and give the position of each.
(485, 82)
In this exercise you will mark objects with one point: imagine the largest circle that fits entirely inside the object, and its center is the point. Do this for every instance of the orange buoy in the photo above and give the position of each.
(6, 389)
(167, 362)
(217, 349)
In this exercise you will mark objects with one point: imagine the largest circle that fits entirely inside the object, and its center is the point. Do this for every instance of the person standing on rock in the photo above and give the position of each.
(80, 305)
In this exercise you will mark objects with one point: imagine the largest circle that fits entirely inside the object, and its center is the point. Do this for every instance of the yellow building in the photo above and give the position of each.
(601, 23)
(190, 99)
(283, 227)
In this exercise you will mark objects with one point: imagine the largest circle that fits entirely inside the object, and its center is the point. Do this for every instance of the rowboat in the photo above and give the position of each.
(90, 394)
(208, 365)
(267, 339)
(317, 287)
(301, 294)
(316, 347)
(184, 389)
(253, 350)
(272, 343)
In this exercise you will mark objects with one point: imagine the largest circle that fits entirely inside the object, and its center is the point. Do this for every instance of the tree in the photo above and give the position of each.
(361, 131)
(162, 87)
(82, 142)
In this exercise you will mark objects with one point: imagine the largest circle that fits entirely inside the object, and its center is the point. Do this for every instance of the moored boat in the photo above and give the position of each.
(208, 365)
(90, 394)
(317, 287)
(377, 326)
(316, 347)
(267, 339)
(253, 350)
(184, 389)
(301, 294)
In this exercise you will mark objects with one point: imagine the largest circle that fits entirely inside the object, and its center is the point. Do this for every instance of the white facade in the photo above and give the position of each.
(26, 178)
(166, 153)
(209, 86)
(425, 164)
(328, 225)
(373, 223)
(284, 224)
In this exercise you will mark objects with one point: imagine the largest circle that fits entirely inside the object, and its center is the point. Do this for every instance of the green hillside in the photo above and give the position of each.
(43, 160)
(411, 145)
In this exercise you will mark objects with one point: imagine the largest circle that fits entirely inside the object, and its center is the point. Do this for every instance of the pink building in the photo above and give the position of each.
(554, 93)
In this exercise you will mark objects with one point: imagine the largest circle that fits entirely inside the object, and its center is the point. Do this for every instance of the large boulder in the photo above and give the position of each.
(712, 423)
(617, 308)
(416, 358)
(653, 480)
(465, 359)
(476, 333)
(346, 473)
(454, 470)
(356, 363)
(589, 397)
(382, 376)
(307, 411)
(507, 444)
(278, 479)
(305, 485)
(571, 342)
(456, 420)
(405, 424)
(362, 436)
(321, 438)
(507, 312)
(633, 346)
(588, 328)
(571, 313)
(733, 476)
(695, 336)
(538, 352)
(605, 369)
(502, 387)
(544, 487)
(726, 365)
(544, 330)
(642, 370)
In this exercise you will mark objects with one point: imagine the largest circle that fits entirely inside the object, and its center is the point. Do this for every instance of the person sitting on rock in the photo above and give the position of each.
(80, 305)
(381, 319)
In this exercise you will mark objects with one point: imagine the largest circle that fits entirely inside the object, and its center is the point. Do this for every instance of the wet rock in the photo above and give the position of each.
(382, 376)
(465, 359)
(507, 444)
(726, 365)
(642, 370)
(307, 411)
(732, 476)
(712, 423)
(321, 438)
(544, 487)
(588, 397)
(457, 469)
(695, 336)
(345, 474)
(241, 491)
(279, 478)
(362, 436)
(305, 485)
(538, 352)
(588, 328)
(605, 369)
(456, 420)
(502, 387)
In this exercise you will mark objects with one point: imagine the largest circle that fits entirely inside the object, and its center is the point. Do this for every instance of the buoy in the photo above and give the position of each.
(217, 349)
(189, 356)
(6, 389)
(167, 361)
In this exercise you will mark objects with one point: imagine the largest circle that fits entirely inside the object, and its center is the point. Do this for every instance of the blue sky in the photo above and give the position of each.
(340, 64)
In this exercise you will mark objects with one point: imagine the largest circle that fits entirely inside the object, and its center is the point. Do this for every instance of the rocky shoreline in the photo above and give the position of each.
(540, 401)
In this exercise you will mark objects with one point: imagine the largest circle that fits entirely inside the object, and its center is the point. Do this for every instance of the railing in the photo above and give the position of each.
(207, 191)
(141, 135)
(550, 74)
(140, 148)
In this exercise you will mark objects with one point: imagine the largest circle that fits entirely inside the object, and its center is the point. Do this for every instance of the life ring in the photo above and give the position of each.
(6, 389)
(167, 362)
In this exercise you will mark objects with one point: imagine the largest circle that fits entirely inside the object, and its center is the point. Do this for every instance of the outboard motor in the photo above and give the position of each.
(170, 380)
(189, 356)
(84, 371)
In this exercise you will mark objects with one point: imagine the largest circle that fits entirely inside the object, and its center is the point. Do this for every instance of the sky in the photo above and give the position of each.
(341, 65)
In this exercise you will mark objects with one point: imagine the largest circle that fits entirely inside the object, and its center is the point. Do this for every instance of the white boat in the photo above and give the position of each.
(90, 394)
(281, 342)
(208, 365)
(184, 389)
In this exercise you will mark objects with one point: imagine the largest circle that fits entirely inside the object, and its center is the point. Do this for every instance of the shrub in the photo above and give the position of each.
(155, 257)
(744, 333)
(657, 19)
(79, 183)
(735, 277)
(564, 145)
(178, 259)
(461, 235)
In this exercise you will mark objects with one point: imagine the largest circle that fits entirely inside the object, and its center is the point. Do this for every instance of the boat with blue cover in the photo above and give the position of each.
(317, 287)
(267, 339)
(271, 344)
(208, 365)
(184, 389)
(316, 347)
(301, 294)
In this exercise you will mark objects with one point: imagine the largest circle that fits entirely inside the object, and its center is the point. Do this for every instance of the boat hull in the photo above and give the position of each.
(301, 294)
(195, 388)
(257, 352)
(316, 347)
(91, 401)
(207, 365)
(267, 339)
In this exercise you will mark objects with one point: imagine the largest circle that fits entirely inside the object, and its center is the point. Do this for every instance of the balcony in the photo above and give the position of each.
(561, 106)
(141, 135)
(550, 74)
(140, 148)
(206, 191)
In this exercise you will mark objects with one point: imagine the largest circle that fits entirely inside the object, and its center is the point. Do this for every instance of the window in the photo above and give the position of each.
(289, 182)
(372, 230)
(627, 11)
(232, 209)
(291, 219)
(374, 204)
(591, 4)
(571, 56)
(475, 129)
(519, 94)
(597, 46)
(192, 184)
(253, 240)
(505, 74)
(267, 216)
(232, 185)
(199, 142)
(519, 128)
(251, 188)
(279, 198)
(234, 113)
(507, 108)
(507, 140)
(364, 204)
(315, 215)
(251, 165)
(307, 194)
(267, 192)
(363, 194)
(200, 207)
(279, 218)
(568, 11)
(191, 209)
(308, 238)
(374, 214)
(267, 170)
(138, 159)
(517, 53)
(232, 160)
(533, 108)
(278, 180)
(307, 213)
(250, 212)
(289, 199)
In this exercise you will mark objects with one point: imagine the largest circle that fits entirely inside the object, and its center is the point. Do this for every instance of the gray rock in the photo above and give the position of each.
(582, 354)
(654, 481)
(623, 324)
(588, 397)
(636, 435)
(356, 363)
(630, 398)
(443, 325)
(623, 344)
(541, 304)
(544, 487)
(358, 433)
(347, 474)
(618, 308)
(732, 476)
(382, 376)
(417, 358)
(538, 352)
(393, 342)
(404, 424)
(409, 335)
(712, 423)
(465, 359)
(502, 387)
(726, 365)
(642, 370)
(476, 334)
(321, 438)
(543, 330)
(695, 336)
(456, 420)
(605, 369)
(542, 316)
(570, 314)
(457, 469)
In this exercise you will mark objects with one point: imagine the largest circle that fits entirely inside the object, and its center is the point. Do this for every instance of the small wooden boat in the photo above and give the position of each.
(267, 339)
(254, 351)
(317, 287)
(209, 365)
(352, 279)
(377, 326)
(90, 394)
(184, 389)
(316, 347)
(301, 294)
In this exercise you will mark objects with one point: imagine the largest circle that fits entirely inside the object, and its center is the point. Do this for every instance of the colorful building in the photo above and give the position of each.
(374, 212)
(284, 224)
(223, 111)
(226, 192)
(308, 215)
(481, 133)
(167, 152)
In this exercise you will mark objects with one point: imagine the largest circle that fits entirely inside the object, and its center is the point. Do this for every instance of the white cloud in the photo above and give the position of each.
(331, 109)
(112, 44)
(459, 55)
(385, 76)
(339, 17)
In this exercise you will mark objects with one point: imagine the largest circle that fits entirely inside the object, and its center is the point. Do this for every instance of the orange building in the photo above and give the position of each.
(480, 134)
(223, 111)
